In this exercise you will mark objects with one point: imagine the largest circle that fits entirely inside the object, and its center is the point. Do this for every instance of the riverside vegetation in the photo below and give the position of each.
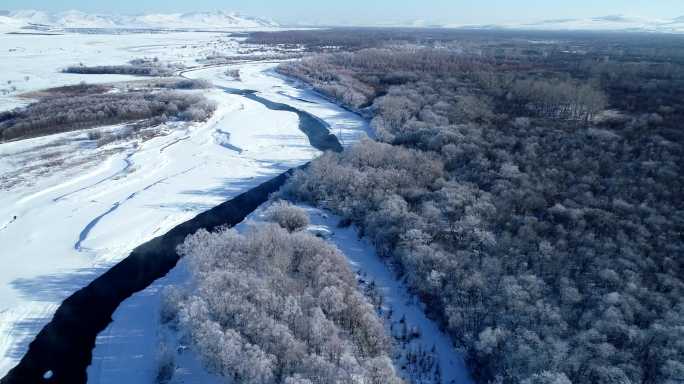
(86, 106)
(276, 305)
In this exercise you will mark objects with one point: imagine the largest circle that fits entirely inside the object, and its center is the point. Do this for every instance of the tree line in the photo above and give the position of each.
(137, 67)
(84, 106)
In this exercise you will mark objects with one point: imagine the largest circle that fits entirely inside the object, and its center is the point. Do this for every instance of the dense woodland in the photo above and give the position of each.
(277, 305)
(87, 106)
(529, 191)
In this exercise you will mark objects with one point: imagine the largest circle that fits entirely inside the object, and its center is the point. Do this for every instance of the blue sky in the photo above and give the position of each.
(377, 11)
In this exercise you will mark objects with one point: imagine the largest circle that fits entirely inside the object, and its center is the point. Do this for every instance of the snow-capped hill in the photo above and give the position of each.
(217, 20)
(607, 23)
(8, 24)
(76, 19)
(29, 16)
(610, 23)
(614, 19)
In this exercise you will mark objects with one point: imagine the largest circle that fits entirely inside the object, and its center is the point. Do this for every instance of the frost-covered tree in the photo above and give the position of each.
(275, 306)
(287, 216)
(86, 106)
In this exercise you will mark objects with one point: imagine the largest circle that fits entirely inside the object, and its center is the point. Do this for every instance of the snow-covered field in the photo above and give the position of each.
(33, 62)
(83, 208)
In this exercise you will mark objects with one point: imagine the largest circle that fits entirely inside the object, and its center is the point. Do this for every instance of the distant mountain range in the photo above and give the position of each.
(616, 23)
(612, 23)
(219, 20)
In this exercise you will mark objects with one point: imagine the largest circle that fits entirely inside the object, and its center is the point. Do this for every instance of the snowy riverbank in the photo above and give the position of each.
(72, 223)
(128, 349)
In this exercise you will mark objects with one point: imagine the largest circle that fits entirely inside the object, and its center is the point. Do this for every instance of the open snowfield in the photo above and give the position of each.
(78, 216)
(33, 62)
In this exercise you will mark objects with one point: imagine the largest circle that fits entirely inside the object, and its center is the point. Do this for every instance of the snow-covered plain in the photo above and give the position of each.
(74, 217)
(34, 62)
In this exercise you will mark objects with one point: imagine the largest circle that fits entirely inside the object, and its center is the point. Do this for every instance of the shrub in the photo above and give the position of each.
(287, 216)
(166, 364)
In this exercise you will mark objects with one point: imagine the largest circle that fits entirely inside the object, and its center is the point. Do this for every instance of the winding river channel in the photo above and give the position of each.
(62, 351)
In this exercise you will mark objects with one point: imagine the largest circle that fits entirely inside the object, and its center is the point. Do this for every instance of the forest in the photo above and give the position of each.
(276, 304)
(528, 191)
(86, 106)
